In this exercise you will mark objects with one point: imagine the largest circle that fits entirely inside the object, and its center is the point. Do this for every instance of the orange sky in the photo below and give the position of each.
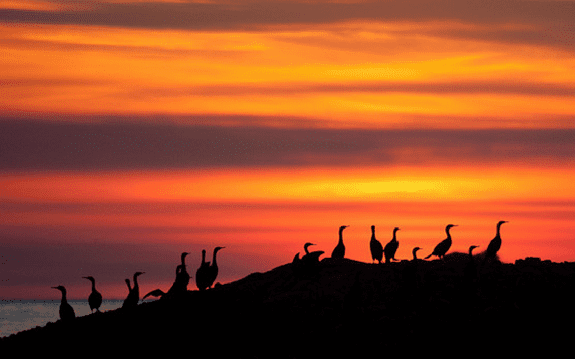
(169, 126)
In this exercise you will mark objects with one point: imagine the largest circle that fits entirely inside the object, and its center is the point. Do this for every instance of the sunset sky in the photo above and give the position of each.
(134, 130)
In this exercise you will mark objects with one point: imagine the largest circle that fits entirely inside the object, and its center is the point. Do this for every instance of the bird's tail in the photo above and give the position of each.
(429, 256)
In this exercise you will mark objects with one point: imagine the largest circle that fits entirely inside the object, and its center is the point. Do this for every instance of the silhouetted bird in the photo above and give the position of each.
(95, 298)
(66, 310)
(444, 245)
(470, 271)
(375, 247)
(311, 257)
(494, 245)
(202, 274)
(212, 271)
(339, 250)
(175, 290)
(414, 252)
(391, 247)
(133, 297)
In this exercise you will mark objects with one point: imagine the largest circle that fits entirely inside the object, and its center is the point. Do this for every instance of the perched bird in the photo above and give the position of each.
(66, 310)
(494, 245)
(375, 247)
(133, 297)
(311, 257)
(212, 272)
(470, 271)
(202, 273)
(180, 284)
(391, 247)
(414, 252)
(171, 292)
(95, 298)
(444, 245)
(339, 250)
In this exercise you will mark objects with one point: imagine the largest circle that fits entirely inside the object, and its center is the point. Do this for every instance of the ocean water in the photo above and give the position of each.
(20, 315)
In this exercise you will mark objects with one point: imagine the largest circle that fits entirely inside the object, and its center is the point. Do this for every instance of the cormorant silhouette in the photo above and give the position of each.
(202, 273)
(133, 297)
(470, 271)
(212, 271)
(494, 245)
(172, 292)
(444, 245)
(391, 247)
(375, 247)
(339, 250)
(180, 285)
(95, 298)
(311, 257)
(414, 252)
(66, 311)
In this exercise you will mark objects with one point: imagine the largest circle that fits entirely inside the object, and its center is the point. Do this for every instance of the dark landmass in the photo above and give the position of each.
(339, 307)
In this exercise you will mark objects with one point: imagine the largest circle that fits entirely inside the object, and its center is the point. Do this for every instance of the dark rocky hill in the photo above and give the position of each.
(338, 308)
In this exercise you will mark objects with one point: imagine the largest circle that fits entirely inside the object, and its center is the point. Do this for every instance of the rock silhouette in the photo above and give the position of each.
(347, 302)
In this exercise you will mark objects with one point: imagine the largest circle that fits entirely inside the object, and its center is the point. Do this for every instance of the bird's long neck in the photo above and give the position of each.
(448, 234)
(64, 297)
(393, 239)
(214, 259)
(498, 229)
(373, 234)
(340, 236)
(93, 285)
(136, 286)
(414, 254)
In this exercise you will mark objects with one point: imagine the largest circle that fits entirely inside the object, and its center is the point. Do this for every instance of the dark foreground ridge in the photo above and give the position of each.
(340, 306)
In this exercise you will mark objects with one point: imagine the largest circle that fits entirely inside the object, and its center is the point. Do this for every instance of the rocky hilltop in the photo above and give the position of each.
(338, 307)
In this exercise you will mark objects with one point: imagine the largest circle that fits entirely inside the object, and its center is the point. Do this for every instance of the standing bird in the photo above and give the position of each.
(414, 252)
(212, 272)
(310, 257)
(180, 285)
(202, 273)
(66, 310)
(494, 245)
(444, 245)
(133, 297)
(95, 298)
(375, 247)
(339, 250)
(391, 247)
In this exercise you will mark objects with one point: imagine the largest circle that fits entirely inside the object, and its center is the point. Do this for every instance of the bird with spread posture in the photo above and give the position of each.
(444, 245)
(375, 247)
(391, 247)
(95, 298)
(133, 297)
(494, 245)
(212, 271)
(339, 250)
(171, 292)
(66, 310)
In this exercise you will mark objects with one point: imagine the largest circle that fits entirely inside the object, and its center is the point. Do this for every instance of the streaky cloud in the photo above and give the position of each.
(43, 145)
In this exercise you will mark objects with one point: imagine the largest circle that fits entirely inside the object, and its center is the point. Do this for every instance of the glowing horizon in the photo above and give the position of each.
(179, 124)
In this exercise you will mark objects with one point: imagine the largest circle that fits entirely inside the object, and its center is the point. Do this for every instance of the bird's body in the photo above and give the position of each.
(202, 273)
(339, 250)
(444, 245)
(391, 247)
(375, 247)
(95, 298)
(494, 245)
(133, 297)
(212, 271)
(180, 285)
(66, 311)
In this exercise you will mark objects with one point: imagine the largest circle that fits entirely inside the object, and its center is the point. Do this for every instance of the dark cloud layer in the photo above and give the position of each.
(41, 145)
(547, 22)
